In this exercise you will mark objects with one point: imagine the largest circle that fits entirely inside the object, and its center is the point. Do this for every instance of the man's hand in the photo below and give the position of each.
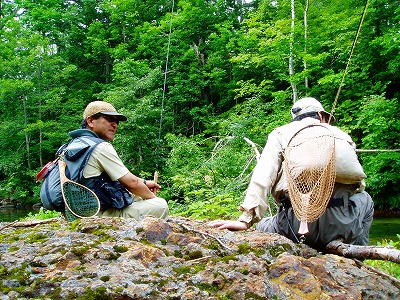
(231, 225)
(153, 186)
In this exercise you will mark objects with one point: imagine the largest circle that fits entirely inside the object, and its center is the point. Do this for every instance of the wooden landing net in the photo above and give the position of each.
(309, 164)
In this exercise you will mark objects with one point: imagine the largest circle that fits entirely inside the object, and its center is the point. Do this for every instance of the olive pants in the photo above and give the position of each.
(156, 207)
(350, 222)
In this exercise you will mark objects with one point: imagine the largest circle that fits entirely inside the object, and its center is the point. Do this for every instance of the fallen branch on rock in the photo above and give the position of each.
(364, 252)
(198, 260)
(29, 223)
(204, 234)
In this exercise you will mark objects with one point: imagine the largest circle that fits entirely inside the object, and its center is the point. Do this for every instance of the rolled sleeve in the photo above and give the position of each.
(264, 177)
(105, 159)
(246, 217)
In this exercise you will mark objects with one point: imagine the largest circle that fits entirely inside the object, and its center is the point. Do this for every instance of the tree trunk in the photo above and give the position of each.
(305, 42)
(26, 133)
(291, 68)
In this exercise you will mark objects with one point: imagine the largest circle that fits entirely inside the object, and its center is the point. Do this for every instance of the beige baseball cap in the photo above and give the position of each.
(307, 105)
(103, 107)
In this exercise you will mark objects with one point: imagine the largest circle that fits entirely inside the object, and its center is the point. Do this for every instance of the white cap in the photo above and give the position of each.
(308, 105)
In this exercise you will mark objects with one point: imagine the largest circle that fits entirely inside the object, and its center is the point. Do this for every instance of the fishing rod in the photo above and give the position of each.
(163, 96)
(342, 81)
(349, 60)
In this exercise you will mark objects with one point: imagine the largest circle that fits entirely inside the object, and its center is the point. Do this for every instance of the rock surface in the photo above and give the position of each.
(108, 258)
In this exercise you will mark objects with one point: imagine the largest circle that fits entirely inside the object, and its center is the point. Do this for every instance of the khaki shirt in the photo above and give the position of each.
(268, 176)
(104, 158)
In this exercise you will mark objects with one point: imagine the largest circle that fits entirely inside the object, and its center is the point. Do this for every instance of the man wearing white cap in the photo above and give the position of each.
(106, 174)
(349, 212)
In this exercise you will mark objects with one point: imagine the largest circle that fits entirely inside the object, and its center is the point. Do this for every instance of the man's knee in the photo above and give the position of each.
(267, 225)
(156, 207)
(367, 207)
(364, 204)
(162, 208)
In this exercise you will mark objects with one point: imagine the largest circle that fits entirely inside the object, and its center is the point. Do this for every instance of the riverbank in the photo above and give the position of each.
(379, 213)
(387, 213)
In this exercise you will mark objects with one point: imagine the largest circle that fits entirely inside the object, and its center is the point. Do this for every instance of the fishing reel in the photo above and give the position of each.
(46, 169)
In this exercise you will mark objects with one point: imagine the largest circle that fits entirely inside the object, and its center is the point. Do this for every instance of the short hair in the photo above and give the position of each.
(84, 123)
(306, 115)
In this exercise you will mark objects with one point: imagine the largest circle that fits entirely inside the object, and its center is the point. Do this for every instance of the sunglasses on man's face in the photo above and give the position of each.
(111, 119)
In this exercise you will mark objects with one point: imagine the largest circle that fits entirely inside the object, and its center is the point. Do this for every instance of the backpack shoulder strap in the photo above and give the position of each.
(78, 154)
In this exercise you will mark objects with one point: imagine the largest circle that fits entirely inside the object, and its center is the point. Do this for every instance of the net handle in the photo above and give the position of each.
(64, 179)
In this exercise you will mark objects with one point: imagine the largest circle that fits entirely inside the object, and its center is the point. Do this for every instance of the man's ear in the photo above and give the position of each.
(322, 117)
(89, 121)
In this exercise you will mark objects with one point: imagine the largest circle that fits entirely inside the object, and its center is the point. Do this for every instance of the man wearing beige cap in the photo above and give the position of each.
(106, 174)
(349, 212)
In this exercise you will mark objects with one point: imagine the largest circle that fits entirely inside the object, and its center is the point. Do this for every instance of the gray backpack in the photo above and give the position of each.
(76, 154)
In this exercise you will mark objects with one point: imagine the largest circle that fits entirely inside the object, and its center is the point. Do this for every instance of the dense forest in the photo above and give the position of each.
(203, 83)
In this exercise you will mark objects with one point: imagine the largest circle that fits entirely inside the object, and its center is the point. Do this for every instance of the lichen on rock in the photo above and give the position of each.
(178, 258)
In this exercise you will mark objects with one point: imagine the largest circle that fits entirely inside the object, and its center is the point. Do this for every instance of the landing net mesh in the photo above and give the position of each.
(79, 200)
(309, 164)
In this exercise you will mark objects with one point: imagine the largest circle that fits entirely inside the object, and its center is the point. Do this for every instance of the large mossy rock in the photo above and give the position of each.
(108, 258)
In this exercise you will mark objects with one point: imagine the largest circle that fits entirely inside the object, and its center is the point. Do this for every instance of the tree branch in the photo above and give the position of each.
(204, 234)
(364, 252)
(29, 223)
(391, 278)
(254, 147)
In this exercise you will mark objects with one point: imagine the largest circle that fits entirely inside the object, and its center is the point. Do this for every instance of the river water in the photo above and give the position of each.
(382, 228)
(12, 214)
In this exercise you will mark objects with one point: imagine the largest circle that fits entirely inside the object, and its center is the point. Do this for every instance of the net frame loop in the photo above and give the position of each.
(309, 166)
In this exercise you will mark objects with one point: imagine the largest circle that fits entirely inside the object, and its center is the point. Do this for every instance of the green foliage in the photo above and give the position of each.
(99, 294)
(210, 181)
(381, 131)
(43, 214)
(36, 237)
(120, 249)
(227, 80)
(136, 93)
(388, 267)
(221, 206)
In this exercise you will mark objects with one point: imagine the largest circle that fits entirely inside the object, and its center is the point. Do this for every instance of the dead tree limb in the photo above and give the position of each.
(8, 225)
(254, 147)
(204, 234)
(29, 223)
(364, 252)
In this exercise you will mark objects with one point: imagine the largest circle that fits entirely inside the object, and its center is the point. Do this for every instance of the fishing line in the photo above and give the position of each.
(163, 92)
(344, 75)
(348, 61)
(376, 150)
